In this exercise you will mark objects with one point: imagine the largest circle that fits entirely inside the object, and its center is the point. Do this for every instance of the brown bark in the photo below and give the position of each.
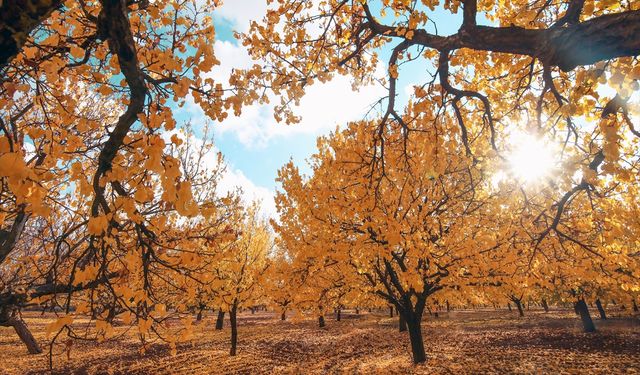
(24, 333)
(545, 306)
(519, 306)
(283, 316)
(603, 314)
(113, 25)
(415, 337)
(18, 18)
(9, 237)
(199, 316)
(220, 320)
(583, 311)
(234, 329)
(518, 303)
(321, 323)
(601, 38)
(402, 323)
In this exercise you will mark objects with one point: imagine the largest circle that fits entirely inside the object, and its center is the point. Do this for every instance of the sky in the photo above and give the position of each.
(254, 145)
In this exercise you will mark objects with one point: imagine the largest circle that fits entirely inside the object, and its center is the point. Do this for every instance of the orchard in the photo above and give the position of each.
(480, 213)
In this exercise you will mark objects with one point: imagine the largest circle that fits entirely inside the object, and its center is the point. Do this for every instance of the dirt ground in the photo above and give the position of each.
(369, 343)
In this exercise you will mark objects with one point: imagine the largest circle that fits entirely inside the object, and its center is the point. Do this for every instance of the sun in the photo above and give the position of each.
(531, 158)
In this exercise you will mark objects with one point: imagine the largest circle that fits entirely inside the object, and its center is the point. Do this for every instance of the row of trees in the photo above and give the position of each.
(107, 210)
(418, 203)
(74, 265)
(434, 226)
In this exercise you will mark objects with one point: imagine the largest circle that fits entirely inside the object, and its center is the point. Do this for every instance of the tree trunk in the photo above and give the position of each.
(545, 305)
(220, 320)
(415, 336)
(402, 323)
(357, 311)
(635, 306)
(390, 311)
(519, 306)
(448, 307)
(338, 315)
(509, 306)
(283, 316)
(321, 321)
(234, 328)
(199, 316)
(583, 310)
(603, 314)
(17, 20)
(25, 335)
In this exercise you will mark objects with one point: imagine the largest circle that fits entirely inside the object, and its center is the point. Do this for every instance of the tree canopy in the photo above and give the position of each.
(110, 207)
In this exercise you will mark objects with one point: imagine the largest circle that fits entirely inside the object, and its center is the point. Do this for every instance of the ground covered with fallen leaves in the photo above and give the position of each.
(368, 343)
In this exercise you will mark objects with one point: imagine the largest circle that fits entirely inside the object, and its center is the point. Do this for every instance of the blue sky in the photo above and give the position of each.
(254, 145)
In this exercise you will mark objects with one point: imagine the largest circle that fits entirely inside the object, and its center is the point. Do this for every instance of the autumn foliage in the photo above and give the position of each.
(111, 210)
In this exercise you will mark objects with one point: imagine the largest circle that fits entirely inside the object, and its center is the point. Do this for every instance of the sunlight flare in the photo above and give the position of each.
(531, 158)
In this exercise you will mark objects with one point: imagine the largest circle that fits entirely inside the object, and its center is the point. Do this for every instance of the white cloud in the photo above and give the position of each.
(324, 105)
(251, 192)
(322, 108)
(232, 178)
(242, 12)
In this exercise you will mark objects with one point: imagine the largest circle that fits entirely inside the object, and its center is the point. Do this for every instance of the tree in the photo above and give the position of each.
(553, 69)
(87, 95)
(92, 48)
(534, 52)
(241, 268)
(61, 262)
(420, 225)
(278, 286)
